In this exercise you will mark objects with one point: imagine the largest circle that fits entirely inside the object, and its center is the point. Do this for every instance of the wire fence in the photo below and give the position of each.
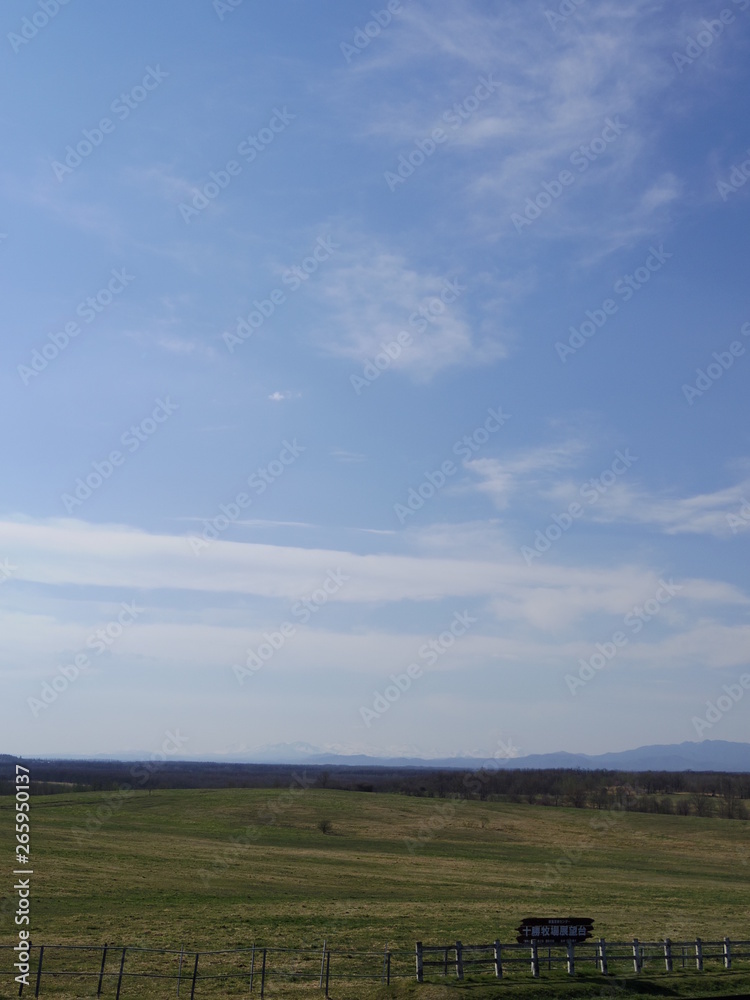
(117, 972)
(110, 970)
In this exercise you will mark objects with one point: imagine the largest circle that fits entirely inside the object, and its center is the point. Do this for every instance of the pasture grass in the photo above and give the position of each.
(163, 872)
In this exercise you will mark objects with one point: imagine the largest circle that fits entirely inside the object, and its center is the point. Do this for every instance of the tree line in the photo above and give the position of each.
(667, 792)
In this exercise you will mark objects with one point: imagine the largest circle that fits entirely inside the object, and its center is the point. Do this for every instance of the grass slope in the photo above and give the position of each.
(162, 871)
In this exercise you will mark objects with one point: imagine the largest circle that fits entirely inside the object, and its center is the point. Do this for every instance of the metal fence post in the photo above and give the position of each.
(179, 968)
(727, 954)
(420, 963)
(119, 978)
(699, 954)
(195, 975)
(388, 970)
(101, 970)
(636, 955)
(459, 960)
(39, 971)
(252, 968)
(322, 966)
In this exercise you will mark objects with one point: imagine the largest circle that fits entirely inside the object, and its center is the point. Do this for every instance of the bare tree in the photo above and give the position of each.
(702, 804)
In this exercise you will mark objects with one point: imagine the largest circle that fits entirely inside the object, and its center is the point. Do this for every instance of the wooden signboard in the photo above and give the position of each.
(554, 930)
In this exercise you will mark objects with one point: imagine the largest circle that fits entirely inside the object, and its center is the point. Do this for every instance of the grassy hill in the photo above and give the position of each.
(216, 869)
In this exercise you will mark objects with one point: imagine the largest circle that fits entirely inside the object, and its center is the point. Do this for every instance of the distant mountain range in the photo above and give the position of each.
(708, 755)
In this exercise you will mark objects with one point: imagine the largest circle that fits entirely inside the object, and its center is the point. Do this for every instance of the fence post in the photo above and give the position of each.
(571, 959)
(636, 955)
(252, 967)
(602, 956)
(459, 960)
(328, 969)
(699, 954)
(101, 970)
(445, 961)
(385, 962)
(119, 978)
(388, 969)
(498, 960)
(195, 975)
(179, 968)
(727, 954)
(263, 975)
(534, 960)
(420, 963)
(39, 971)
(322, 965)
(668, 954)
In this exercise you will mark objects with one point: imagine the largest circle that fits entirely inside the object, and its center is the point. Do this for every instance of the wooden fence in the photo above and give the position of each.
(606, 956)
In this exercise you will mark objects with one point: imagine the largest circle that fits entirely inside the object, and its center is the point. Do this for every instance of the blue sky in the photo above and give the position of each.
(374, 376)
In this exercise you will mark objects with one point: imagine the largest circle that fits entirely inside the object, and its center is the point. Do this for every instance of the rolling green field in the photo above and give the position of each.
(163, 871)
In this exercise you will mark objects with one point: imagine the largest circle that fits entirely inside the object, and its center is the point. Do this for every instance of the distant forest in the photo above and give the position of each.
(668, 792)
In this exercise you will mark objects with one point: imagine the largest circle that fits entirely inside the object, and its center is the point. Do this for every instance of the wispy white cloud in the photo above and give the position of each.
(279, 397)
(556, 89)
(71, 204)
(348, 457)
(718, 513)
(527, 471)
(264, 522)
(705, 642)
(535, 475)
(76, 553)
(161, 179)
(213, 642)
(376, 295)
(182, 345)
